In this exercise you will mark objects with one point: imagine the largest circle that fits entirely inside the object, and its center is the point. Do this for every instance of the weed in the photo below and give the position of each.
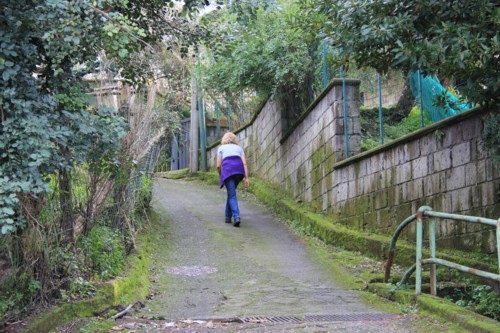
(15, 293)
(79, 288)
(106, 251)
(145, 193)
(408, 309)
(478, 298)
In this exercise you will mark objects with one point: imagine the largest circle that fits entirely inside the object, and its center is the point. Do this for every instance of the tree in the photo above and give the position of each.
(47, 124)
(260, 47)
(457, 40)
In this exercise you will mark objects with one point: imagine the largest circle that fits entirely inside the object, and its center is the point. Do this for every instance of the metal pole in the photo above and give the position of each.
(217, 124)
(242, 111)
(432, 245)
(344, 100)
(418, 260)
(193, 134)
(381, 117)
(421, 99)
(326, 79)
(228, 113)
(203, 137)
(498, 244)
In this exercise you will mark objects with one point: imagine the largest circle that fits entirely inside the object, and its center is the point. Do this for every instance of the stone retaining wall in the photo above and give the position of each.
(442, 166)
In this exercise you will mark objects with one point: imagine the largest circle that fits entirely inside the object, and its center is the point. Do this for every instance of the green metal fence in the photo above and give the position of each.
(426, 212)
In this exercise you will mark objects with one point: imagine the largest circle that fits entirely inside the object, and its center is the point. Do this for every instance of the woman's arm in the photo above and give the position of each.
(244, 160)
(219, 164)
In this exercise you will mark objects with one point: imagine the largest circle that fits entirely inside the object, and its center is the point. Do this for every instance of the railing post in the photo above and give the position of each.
(380, 111)
(498, 244)
(432, 244)
(418, 259)
(418, 264)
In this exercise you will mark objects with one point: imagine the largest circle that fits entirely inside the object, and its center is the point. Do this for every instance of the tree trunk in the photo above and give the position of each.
(66, 202)
(194, 135)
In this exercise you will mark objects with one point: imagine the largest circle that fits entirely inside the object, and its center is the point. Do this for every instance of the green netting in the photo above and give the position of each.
(431, 89)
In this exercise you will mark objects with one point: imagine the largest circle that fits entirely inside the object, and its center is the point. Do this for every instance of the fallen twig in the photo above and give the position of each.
(124, 312)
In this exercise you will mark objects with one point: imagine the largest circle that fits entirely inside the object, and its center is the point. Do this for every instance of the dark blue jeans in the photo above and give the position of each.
(232, 209)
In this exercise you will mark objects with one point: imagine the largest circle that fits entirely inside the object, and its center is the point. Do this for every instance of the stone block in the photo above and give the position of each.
(416, 189)
(488, 192)
(370, 220)
(461, 200)
(455, 178)
(384, 218)
(452, 136)
(472, 128)
(401, 154)
(431, 185)
(370, 185)
(338, 126)
(442, 160)
(414, 149)
(351, 174)
(360, 168)
(477, 150)
(402, 194)
(352, 189)
(360, 186)
(491, 172)
(403, 173)
(338, 111)
(381, 199)
(481, 171)
(400, 213)
(428, 144)
(460, 154)
(342, 191)
(470, 174)
(420, 167)
(376, 164)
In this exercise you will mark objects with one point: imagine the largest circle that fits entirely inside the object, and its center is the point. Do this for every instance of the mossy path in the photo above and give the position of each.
(204, 269)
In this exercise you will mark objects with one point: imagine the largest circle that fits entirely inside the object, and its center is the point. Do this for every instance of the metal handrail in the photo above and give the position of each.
(392, 248)
(426, 211)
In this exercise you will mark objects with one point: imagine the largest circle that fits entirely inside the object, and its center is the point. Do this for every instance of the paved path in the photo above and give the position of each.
(206, 269)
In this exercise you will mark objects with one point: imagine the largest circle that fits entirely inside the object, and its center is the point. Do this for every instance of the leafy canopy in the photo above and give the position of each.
(457, 40)
(47, 123)
(258, 46)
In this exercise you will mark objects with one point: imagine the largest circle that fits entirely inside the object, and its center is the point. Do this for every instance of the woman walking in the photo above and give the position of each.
(232, 168)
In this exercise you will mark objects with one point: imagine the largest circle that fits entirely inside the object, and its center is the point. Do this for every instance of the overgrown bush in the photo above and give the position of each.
(407, 125)
(478, 298)
(15, 293)
(106, 251)
(370, 131)
(491, 136)
(145, 193)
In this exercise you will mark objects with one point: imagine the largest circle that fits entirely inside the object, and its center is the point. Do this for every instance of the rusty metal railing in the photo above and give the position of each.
(426, 211)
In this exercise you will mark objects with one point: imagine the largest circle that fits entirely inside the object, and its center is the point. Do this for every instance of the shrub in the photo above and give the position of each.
(145, 193)
(16, 293)
(478, 298)
(106, 251)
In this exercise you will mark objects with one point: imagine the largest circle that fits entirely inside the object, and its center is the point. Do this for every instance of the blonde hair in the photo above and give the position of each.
(229, 138)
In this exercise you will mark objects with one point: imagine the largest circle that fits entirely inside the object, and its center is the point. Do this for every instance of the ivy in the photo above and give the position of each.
(47, 122)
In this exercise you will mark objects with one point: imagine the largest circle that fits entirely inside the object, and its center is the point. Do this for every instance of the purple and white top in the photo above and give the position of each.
(232, 164)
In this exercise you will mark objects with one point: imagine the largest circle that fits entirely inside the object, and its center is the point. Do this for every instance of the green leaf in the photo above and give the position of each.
(8, 211)
(123, 53)
(7, 228)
